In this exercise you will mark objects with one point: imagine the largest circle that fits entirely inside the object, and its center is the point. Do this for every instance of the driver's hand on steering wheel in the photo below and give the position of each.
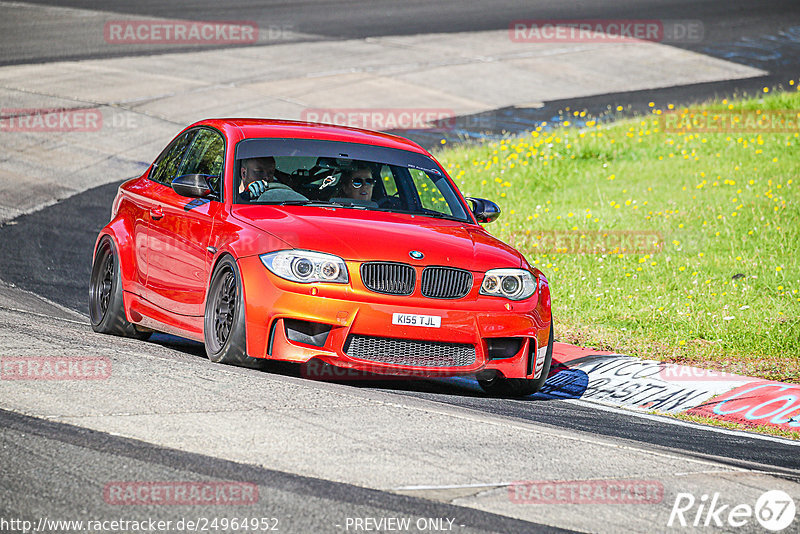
(256, 188)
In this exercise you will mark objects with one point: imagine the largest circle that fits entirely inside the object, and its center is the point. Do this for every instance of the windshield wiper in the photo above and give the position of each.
(439, 215)
(319, 204)
(426, 213)
(314, 203)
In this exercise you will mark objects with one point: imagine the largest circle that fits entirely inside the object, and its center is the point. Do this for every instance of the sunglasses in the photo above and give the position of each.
(358, 182)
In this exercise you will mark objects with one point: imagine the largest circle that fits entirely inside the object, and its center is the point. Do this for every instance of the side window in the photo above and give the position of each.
(389, 184)
(205, 156)
(166, 168)
(429, 194)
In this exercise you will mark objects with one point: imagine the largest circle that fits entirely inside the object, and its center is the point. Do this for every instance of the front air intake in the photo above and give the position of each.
(412, 353)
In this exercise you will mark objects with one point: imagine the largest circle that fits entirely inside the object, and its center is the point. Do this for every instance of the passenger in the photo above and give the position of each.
(357, 183)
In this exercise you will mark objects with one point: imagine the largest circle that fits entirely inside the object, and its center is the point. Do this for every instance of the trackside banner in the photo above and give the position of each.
(633, 383)
(757, 403)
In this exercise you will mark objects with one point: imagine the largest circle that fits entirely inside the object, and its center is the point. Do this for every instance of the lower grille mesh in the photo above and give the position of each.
(409, 352)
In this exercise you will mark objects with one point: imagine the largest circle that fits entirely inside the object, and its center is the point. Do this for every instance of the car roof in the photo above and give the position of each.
(258, 128)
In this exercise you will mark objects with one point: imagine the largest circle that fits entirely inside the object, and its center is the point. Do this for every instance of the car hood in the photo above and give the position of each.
(362, 235)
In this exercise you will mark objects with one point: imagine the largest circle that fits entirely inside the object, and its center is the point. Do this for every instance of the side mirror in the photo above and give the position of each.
(485, 211)
(193, 185)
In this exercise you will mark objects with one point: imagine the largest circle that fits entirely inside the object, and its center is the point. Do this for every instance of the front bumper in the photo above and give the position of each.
(350, 312)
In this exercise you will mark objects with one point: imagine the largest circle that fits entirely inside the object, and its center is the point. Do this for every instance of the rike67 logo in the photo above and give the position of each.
(774, 510)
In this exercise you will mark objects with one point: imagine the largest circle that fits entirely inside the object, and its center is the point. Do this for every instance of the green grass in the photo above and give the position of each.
(761, 429)
(721, 290)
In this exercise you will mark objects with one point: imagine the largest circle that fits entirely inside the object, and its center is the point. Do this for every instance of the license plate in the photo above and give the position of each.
(411, 319)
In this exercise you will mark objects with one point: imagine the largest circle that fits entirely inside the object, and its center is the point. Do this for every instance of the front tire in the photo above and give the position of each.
(223, 326)
(106, 307)
(500, 386)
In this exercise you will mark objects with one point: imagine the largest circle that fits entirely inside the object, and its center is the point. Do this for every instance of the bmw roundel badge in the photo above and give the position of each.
(416, 254)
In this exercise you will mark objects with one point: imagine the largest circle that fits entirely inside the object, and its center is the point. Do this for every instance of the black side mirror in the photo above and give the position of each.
(193, 185)
(485, 211)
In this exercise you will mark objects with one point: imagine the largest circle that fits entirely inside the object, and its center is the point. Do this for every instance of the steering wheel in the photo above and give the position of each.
(391, 202)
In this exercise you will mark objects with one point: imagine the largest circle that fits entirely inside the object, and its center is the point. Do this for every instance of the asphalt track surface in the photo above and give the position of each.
(763, 34)
(49, 253)
(87, 459)
(350, 19)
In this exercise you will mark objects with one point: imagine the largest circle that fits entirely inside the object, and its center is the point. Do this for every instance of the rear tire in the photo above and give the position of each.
(500, 386)
(223, 325)
(106, 306)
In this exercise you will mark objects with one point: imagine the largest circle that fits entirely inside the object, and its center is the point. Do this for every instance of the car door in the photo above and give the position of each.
(133, 206)
(180, 228)
(142, 203)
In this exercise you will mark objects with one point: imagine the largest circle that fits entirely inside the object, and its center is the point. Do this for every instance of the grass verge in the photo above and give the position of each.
(762, 429)
(659, 239)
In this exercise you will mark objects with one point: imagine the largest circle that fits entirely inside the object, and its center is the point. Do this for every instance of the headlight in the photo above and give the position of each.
(306, 266)
(514, 284)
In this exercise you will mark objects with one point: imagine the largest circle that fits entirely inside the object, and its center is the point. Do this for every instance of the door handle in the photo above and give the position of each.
(156, 213)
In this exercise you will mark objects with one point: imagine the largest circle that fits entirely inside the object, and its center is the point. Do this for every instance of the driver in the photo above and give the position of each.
(256, 174)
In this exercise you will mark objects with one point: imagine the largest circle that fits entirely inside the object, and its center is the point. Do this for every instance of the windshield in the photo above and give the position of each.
(348, 175)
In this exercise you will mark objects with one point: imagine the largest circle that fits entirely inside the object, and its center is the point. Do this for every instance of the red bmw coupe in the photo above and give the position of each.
(297, 241)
